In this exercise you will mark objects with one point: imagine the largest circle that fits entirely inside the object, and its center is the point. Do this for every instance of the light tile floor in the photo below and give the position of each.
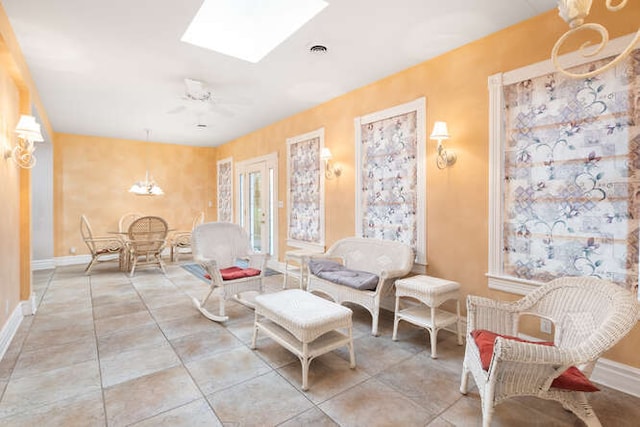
(107, 349)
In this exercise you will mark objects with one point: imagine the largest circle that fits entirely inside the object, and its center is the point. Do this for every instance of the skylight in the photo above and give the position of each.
(248, 29)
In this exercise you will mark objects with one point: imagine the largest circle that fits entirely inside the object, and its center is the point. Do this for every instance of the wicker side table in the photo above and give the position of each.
(431, 292)
(300, 259)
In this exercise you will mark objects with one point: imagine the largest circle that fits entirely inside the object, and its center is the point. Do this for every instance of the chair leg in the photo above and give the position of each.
(133, 266)
(487, 412)
(465, 379)
(374, 321)
(87, 270)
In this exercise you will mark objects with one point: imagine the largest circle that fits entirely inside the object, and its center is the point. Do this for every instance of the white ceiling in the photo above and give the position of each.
(113, 68)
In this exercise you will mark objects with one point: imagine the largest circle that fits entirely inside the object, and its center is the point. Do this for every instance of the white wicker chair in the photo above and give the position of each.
(219, 245)
(100, 247)
(590, 315)
(387, 259)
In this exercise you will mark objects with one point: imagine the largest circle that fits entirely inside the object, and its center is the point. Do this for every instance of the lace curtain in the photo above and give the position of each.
(390, 190)
(305, 206)
(225, 190)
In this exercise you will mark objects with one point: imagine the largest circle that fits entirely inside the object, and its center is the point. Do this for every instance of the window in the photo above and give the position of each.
(390, 178)
(564, 175)
(305, 191)
(225, 190)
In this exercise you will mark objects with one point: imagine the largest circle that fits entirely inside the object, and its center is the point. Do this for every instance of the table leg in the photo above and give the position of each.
(396, 320)
(305, 366)
(352, 354)
(434, 334)
(458, 325)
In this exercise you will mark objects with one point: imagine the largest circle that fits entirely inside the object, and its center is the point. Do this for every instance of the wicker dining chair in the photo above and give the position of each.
(180, 241)
(102, 248)
(126, 220)
(589, 315)
(147, 238)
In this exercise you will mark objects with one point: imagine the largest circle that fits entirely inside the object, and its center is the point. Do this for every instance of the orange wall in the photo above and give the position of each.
(455, 86)
(9, 200)
(92, 176)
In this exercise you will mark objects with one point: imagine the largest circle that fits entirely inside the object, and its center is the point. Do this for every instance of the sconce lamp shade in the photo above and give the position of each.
(29, 129)
(440, 131)
(325, 154)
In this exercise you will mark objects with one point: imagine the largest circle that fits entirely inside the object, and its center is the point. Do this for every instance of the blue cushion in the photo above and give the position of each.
(337, 273)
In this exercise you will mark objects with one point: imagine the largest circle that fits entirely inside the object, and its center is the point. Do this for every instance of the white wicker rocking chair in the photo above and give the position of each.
(590, 315)
(217, 246)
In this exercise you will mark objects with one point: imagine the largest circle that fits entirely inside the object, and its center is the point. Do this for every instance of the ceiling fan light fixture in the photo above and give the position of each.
(248, 29)
(318, 49)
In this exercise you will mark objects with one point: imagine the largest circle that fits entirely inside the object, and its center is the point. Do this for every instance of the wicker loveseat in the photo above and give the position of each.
(386, 259)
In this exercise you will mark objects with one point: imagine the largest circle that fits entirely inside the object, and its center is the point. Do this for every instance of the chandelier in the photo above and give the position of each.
(148, 187)
(574, 12)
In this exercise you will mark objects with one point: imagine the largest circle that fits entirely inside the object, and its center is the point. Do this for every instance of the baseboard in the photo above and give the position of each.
(9, 329)
(62, 261)
(43, 264)
(618, 376)
(30, 306)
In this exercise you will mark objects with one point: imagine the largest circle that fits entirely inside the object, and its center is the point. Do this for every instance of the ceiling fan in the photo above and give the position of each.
(200, 100)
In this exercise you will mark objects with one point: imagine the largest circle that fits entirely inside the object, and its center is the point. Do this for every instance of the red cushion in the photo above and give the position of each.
(235, 272)
(571, 379)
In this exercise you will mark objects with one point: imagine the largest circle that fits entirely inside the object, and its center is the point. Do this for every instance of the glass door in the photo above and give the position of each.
(256, 198)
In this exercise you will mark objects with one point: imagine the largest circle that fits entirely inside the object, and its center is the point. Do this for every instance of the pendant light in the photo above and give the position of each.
(148, 187)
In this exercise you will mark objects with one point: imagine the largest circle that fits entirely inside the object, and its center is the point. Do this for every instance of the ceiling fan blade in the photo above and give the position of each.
(232, 100)
(221, 110)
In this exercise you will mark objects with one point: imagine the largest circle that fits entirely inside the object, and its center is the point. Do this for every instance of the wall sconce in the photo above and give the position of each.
(28, 131)
(440, 133)
(574, 12)
(330, 171)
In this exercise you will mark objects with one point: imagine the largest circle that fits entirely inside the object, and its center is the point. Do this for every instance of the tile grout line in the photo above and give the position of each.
(95, 334)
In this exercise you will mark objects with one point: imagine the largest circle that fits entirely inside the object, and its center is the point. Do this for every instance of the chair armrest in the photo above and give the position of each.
(258, 260)
(536, 364)
(495, 316)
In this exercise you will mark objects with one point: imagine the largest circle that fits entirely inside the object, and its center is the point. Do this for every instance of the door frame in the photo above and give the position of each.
(271, 162)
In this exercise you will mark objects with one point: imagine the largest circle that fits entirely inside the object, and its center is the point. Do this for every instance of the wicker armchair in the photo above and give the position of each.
(386, 259)
(180, 241)
(218, 246)
(147, 238)
(589, 315)
(126, 220)
(100, 247)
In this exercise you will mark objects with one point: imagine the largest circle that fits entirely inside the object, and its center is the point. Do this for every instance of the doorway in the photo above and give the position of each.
(257, 201)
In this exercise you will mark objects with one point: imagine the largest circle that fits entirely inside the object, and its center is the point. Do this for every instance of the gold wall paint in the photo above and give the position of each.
(455, 86)
(93, 176)
(9, 200)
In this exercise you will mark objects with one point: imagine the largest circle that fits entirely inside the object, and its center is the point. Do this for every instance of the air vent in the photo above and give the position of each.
(201, 125)
(318, 48)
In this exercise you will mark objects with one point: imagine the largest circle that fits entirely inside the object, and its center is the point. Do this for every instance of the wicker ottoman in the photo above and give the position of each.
(304, 324)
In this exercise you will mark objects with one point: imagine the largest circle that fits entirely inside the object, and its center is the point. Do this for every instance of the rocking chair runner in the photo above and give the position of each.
(217, 246)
